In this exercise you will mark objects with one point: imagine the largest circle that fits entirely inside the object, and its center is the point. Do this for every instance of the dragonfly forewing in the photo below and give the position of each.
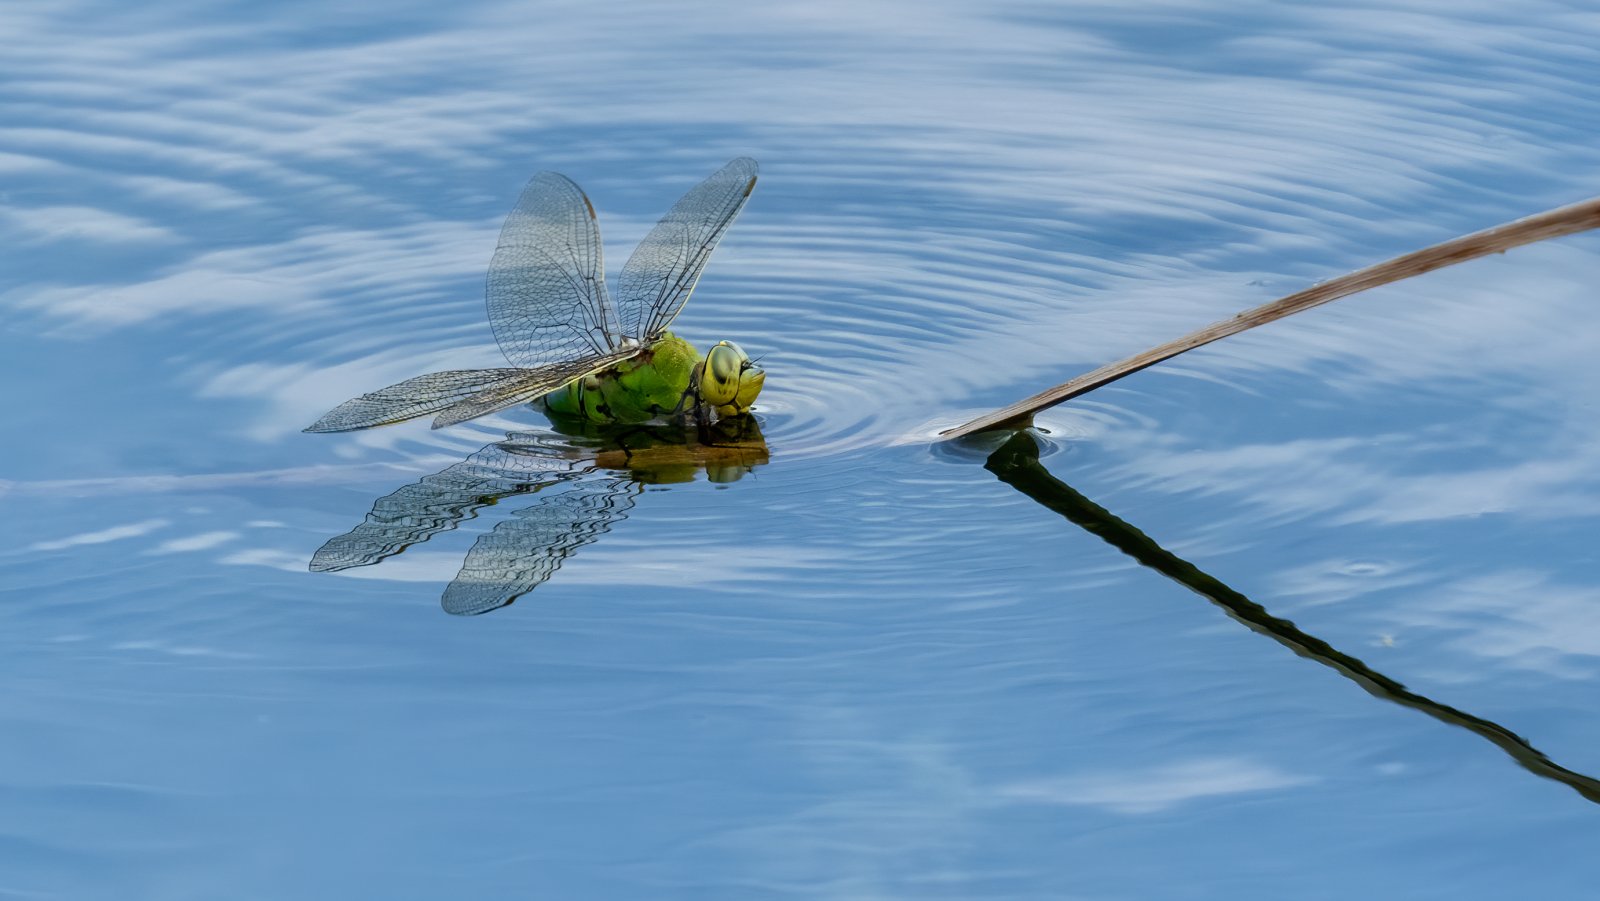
(661, 274)
(546, 293)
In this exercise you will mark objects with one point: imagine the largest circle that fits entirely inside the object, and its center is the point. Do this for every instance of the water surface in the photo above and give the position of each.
(869, 668)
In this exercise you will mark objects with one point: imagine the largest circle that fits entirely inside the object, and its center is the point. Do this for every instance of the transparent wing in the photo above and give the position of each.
(530, 384)
(522, 552)
(439, 502)
(658, 278)
(547, 281)
(411, 398)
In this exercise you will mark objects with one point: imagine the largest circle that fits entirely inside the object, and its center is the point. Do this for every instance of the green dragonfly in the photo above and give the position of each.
(586, 355)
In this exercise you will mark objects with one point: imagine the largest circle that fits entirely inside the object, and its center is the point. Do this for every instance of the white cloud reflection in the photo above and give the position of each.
(101, 536)
(1155, 789)
(77, 224)
(1520, 619)
(202, 541)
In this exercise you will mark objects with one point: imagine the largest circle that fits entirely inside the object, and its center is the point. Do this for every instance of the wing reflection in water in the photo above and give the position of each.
(1017, 464)
(523, 552)
(587, 483)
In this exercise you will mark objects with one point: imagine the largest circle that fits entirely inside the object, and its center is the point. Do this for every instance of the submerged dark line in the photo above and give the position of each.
(1016, 463)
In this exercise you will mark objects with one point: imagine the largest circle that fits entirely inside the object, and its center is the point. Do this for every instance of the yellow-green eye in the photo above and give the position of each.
(729, 379)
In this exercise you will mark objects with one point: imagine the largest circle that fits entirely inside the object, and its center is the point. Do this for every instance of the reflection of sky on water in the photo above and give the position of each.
(908, 682)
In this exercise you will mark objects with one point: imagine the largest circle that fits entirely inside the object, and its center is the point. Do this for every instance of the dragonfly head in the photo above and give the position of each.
(729, 379)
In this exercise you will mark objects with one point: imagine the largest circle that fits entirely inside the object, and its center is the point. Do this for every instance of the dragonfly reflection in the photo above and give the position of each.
(1017, 464)
(584, 485)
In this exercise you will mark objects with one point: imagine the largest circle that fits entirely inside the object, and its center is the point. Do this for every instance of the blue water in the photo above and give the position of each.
(869, 668)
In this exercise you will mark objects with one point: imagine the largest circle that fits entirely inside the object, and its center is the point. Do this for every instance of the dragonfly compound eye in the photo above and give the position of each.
(730, 379)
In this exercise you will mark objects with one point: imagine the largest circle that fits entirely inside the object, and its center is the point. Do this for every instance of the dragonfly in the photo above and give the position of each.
(568, 341)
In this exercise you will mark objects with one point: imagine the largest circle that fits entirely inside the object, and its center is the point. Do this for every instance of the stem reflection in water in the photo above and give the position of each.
(1017, 464)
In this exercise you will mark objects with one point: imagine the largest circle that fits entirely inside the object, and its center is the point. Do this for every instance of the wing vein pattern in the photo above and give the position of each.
(661, 274)
(411, 398)
(546, 293)
(524, 551)
(442, 501)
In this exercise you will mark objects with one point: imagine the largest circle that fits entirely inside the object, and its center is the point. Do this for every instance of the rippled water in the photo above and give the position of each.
(872, 667)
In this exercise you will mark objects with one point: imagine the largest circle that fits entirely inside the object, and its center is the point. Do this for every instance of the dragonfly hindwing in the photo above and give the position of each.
(412, 398)
(531, 384)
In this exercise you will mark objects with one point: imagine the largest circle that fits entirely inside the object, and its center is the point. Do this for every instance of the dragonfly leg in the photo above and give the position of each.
(729, 431)
(683, 401)
(702, 423)
(622, 437)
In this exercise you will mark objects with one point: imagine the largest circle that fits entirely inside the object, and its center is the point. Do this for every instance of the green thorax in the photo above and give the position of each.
(646, 387)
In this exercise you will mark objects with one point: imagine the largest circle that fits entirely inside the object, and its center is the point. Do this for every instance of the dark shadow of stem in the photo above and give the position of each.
(1017, 464)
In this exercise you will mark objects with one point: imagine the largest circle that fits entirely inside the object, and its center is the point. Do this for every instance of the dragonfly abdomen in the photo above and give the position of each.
(646, 387)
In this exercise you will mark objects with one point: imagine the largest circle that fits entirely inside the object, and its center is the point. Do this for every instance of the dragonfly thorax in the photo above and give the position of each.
(668, 377)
